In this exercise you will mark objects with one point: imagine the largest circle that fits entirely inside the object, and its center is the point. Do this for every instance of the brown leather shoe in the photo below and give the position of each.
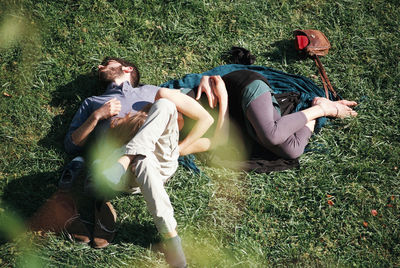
(104, 229)
(76, 230)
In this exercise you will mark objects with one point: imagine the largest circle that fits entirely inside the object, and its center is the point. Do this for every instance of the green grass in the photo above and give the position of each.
(48, 51)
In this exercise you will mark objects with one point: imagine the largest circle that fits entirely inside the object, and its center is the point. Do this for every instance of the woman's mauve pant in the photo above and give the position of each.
(285, 136)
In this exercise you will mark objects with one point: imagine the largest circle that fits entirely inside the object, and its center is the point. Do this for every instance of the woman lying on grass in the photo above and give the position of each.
(252, 105)
(285, 136)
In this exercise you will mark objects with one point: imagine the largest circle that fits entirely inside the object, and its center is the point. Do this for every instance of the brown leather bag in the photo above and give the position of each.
(55, 214)
(314, 43)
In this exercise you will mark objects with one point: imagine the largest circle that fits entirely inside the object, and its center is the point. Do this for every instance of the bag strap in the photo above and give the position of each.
(317, 45)
(325, 80)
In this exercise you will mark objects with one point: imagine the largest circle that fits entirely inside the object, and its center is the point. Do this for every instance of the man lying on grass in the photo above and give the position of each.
(151, 154)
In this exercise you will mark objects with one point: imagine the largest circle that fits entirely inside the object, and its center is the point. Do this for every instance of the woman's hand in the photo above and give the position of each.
(219, 89)
(222, 130)
(205, 86)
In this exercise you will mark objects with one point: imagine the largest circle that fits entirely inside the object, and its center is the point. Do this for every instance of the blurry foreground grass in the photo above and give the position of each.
(341, 208)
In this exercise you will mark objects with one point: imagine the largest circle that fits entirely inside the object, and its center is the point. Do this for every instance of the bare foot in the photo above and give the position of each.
(327, 106)
(347, 103)
(344, 111)
(339, 109)
(316, 100)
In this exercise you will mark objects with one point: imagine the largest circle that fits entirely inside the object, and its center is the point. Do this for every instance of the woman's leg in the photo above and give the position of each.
(285, 136)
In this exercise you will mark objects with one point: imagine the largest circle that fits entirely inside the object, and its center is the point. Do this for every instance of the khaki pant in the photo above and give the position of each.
(156, 149)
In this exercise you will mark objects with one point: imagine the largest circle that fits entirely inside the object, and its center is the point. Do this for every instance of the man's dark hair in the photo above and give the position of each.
(135, 75)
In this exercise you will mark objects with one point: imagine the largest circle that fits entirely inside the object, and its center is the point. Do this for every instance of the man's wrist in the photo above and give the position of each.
(96, 117)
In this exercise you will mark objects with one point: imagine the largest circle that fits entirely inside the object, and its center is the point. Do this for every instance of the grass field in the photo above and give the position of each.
(317, 215)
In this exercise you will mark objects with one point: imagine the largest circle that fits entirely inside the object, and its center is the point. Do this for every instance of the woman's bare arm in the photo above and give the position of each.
(192, 109)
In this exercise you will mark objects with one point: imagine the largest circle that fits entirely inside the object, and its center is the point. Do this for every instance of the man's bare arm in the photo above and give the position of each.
(109, 109)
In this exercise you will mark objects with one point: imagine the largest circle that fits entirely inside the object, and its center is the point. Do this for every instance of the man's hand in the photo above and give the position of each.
(109, 109)
(205, 86)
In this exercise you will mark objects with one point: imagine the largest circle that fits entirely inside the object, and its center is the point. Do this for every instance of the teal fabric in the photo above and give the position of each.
(280, 82)
(253, 91)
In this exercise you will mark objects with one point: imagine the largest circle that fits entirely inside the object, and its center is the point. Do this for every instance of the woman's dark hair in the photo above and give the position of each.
(124, 129)
(135, 75)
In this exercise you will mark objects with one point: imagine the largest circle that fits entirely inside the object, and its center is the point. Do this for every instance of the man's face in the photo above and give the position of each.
(109, 72)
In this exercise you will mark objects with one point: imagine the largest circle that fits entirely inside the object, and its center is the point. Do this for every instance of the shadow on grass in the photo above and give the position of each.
(279, 51)
(284, 51)
(22, 197)
(67, 99)
(142, 235)
(26, 194)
